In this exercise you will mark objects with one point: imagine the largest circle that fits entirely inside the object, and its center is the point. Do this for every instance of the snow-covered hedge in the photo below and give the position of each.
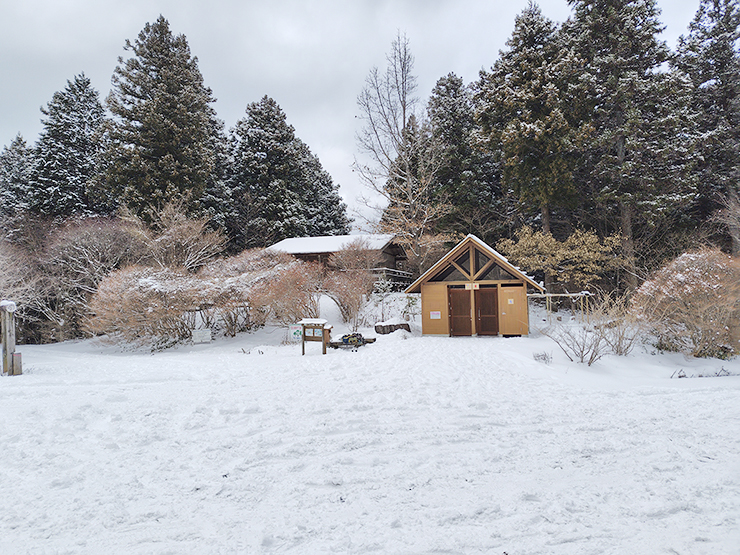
(163, 306)
(692, 305)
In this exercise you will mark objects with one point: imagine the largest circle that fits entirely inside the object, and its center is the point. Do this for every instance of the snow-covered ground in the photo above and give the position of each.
(409, 445)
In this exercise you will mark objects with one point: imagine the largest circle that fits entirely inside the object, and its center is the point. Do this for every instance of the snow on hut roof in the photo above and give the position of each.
(329, 243)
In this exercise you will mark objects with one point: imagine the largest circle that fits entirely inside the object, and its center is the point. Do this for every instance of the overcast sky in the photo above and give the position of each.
(311, 56)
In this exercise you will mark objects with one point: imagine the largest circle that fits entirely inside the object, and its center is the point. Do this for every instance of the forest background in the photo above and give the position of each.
(589, 152)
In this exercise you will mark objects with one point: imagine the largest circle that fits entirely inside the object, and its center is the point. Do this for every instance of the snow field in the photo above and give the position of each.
(409, 445)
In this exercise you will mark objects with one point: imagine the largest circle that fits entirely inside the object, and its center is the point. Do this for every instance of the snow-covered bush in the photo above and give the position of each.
(67, 267)
(355, 255)
(175, 240)
(145, 304)
(577, 263)
(349, 290)
(607, 326)
(580, 342)
(617, 325)
(291, 294)
(18, 281)
(692, 305)
(276, 285)
(163, 306)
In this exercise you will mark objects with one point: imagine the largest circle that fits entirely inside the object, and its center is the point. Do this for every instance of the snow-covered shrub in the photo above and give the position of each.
(692, 305)
(84, 251)
(617, 325)
(355, 255)
(19, 282)
(576, 264)
(349, 290)
(580, 342)
(74, 259)
(146, 304)
(729, 216)
(382, 290)
(291, 294)
(231, 295)
(412, 307)
(175, 240)
(275, 284)
(607, 326)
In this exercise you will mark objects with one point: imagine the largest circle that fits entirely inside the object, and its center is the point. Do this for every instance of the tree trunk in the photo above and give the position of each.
(628, 243)
(545, 210)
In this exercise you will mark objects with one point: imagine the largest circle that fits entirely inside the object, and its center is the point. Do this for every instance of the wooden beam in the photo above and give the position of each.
(484, 269)
(463, 272)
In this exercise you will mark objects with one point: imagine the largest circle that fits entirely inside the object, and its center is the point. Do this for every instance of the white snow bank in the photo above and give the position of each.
(410, 445)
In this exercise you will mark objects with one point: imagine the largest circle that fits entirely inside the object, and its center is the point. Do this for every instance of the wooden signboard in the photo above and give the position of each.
(315, 329)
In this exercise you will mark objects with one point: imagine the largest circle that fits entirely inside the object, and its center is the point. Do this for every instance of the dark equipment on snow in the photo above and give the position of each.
(352, 341)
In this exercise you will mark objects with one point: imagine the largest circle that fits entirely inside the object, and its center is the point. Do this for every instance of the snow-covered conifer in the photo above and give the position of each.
(523, 110)
(638, 156)
(16, 165)
(709, 56)
(468, 178)
(162, 138)
(278, 186)
(67, 151)
(325, 211)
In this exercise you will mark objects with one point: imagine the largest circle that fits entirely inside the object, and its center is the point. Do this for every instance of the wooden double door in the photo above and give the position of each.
(481, 305)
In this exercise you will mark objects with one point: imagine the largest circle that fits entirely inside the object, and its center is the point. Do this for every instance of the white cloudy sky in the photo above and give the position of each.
(311, 56)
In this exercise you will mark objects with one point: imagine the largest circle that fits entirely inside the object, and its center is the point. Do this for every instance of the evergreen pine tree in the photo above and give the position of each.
(709, 56)
(217, 202)
(67, 152)
(16, 166)
(638, 156)
(522, 110)
(279, 188)
(326, 213)
(468, 178)
(161, 142)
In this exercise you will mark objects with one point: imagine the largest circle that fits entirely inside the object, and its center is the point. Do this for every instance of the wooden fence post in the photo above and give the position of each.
(11, 361)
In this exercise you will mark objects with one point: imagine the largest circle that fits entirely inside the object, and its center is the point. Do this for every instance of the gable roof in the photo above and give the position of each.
(329, 243)
(458, 249)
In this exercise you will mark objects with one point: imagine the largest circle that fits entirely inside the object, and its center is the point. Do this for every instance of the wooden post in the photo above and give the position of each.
(11, 363)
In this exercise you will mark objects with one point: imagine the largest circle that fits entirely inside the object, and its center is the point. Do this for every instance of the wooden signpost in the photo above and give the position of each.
(315, 329)
(12, 365)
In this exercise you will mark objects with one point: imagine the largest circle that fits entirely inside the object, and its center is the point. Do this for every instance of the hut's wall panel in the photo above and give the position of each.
(514, 316)
(434, 315)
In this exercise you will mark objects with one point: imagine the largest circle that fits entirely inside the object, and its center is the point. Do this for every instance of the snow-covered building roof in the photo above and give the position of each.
(330, 243)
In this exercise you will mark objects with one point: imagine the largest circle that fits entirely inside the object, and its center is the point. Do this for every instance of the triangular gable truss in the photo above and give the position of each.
(455, 258)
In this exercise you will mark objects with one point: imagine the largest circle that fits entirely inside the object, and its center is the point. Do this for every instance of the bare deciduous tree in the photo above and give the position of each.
(18, 282)
(355, 255)
(729, 216)
(178, 241)
(402, 155)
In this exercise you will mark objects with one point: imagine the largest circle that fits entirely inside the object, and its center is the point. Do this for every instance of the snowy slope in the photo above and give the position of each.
(410, 445)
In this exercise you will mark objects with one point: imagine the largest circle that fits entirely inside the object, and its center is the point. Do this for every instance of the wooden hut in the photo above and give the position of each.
(474, 290)
(389, 255)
